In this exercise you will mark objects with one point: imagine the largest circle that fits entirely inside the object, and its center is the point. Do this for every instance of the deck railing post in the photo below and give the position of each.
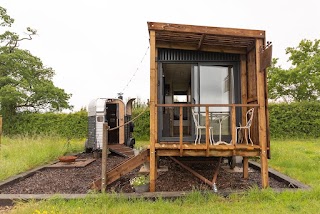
(207, 130)
(104, 157)
(233, 125)
(181, 129)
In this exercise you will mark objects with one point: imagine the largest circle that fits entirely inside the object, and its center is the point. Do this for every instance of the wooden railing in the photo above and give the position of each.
(207, 119)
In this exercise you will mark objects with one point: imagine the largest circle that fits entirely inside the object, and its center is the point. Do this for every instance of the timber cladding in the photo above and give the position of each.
(236, 49)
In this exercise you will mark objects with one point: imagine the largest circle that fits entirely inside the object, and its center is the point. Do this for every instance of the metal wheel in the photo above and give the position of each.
(232, 162)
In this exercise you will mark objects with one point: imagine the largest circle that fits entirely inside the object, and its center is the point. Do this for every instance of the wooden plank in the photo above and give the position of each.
(153, 86)
(216, 153)
(181, 130)
(251, 75)
(157, 26)
(207, 131)
(79, 163)
(265, 58)
(122, 169)
(206, 181)
(207, 105)
(233, 125)
(189, 145)
(244, 88)
(261, 87)
(211, 48)
(245, 167)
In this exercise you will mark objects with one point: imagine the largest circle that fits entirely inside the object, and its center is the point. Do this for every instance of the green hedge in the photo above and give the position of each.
(141, 124)
(295, 120)
(73, 125)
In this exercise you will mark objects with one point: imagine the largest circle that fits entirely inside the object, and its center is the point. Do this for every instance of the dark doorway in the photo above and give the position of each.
(112, 120)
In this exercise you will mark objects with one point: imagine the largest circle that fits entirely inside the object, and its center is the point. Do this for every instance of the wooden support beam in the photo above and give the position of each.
(153, 110)
(261, 87)
(217, 153)
(245, 167)
(206, 29)
(205, 105)
(181, 129)
(201, 41)
(215, 176)
(104, 156)
(206, 181)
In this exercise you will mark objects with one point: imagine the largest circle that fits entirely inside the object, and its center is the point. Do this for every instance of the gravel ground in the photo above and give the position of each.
(78, 180)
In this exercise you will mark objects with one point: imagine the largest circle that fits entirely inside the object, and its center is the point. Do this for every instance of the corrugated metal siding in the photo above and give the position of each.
(194, 56)
(91, 131)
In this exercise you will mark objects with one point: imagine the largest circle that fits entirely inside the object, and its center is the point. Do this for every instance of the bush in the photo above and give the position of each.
(295, 120)
(73, 125)
(141, 124)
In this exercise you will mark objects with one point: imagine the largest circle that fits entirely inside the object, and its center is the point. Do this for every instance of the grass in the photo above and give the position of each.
(19, 154)
(297, 159)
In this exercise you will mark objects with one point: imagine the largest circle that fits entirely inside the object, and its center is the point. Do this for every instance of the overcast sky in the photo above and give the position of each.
(96, 46)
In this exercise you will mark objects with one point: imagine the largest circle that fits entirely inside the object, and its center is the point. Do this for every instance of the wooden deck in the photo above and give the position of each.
(190, 149)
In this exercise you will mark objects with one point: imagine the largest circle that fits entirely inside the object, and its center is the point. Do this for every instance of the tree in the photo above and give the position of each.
(301, 82)
(25, 83)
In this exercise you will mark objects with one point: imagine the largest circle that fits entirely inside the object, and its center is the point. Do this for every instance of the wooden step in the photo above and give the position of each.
(121, 149)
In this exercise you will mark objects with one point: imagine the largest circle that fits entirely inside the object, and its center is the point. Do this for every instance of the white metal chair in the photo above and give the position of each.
(198, 127)
(249, 118)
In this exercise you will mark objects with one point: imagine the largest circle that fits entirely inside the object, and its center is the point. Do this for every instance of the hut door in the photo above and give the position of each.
(112, 120)
(213, 84)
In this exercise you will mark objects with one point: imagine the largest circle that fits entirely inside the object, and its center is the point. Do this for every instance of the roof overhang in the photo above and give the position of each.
(204, 38)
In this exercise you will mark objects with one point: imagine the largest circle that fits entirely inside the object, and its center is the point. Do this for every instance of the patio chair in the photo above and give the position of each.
(198, 127)
(249, 118)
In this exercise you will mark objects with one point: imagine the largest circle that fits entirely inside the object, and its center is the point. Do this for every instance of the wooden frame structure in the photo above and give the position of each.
(253, 56)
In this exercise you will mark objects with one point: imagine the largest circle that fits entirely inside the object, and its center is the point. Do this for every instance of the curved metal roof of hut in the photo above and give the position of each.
(204, 38)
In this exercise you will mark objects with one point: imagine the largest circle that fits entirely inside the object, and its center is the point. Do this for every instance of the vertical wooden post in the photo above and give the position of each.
(0, 130)
(233, 125)
(244, 87)
(104, 157)
(153, 96)
(261, 87)
(207, 130)
(245, 167)
(244, 98)
(181, 129)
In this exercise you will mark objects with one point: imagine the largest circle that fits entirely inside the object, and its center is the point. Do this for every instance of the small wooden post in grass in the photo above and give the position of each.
(0, 130)
(104, 156)
(245, 167)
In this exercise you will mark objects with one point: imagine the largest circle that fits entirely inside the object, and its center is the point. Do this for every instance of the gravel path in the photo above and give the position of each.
(78, 180)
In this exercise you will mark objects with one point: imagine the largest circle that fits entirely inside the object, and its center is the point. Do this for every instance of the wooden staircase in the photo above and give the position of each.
(122, 169)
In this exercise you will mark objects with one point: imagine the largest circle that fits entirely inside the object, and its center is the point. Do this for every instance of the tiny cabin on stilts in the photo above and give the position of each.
(208, 94)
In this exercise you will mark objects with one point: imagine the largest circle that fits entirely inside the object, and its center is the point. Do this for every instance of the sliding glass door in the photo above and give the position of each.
(213, 84)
